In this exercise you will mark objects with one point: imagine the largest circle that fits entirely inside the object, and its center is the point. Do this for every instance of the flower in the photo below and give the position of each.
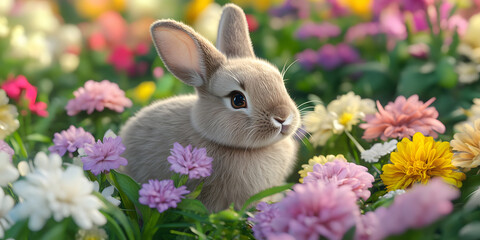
(194, 163)
(262, 220)
(402, 119)
(15, 87)
(6, 203)
(467, 72)
(143, 92)
(122, 58)
(161, 194)
(340, 115)
(8, 173)
(471, 35)
(4, 147)
(316, 209)
(419, 50)
(51, 191)
(106, 193)
(328, 57)
(306, 168)
(94, 233)
(8, 116)
(343, 173)
(97, 96)
(307, 58)
(466, 147)
(367, 227)
(104, 156)
(347, 53)
(419, 160)
(418, 207)
(378, 150)
(70, 140)
(322, 31)
(362, 30)
(393, 193)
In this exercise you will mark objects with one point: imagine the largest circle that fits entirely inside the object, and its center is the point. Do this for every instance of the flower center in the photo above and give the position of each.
(345, 118)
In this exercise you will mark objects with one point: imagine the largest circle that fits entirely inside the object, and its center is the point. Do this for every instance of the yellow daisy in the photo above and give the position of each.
(466, 147)
(418, 161)
(318, 159)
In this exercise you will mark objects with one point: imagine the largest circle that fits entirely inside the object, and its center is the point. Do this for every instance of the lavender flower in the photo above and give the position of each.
(347, 53)
(361, 31)
(322, 31)
(328, 57)
(307, 58)
(103, 157)
(4, 147)
(262, 220)
(70, 140)
(161, 194)
(295, 8)
(194, 163)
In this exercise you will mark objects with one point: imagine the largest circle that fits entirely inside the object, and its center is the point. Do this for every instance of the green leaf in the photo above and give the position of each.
(57, 231)
(263, 194)
(350, 234)
(412, 81)
(36, 137)
(196, 192)
(470, 231)
(193, 205)
(18, 231)
(131, 229)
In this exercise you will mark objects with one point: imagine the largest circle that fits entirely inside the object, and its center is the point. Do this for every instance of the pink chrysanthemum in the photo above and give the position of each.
(194, 163)
(418, 207)
(342, 173)
(316, 209)
(104, 156)
(161, 194)
(70, 140)
(262, 220)
(402, 119)
(97, 96)
(4, 147)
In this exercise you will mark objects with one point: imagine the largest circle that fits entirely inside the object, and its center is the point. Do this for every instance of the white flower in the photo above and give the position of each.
(110, 134)
(378, 150)
(8, 173)
(473, 200)
(392, 194)
(50, 191)
(106, 193)
(467, 72)
(6, 203)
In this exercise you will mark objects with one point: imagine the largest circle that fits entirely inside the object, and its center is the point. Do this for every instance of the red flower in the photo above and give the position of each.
(252, 23)
(122, 58)
(14, 89)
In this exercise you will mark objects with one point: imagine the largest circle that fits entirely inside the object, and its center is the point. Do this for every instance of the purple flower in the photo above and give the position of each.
(414, 5)
(103, 157)
(161, 194)
(70, 140)
(367, 227)
(322, 31)
(295, 8)
(361, 31)
(262, 220)
(194, 163)
(328, 57)
(418, 207)
(347, 53)
(4, 147)
(307, 58)
(316, 209)
(341, 173)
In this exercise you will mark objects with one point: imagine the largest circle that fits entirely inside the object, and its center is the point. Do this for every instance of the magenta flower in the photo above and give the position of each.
(14, 89)
(70, 140)
(104, 156)
(97, 96)
(161, 195)
(322, 31)
(307, 59)
(316, 209)
(362, 30)
(347, 53)
(328, 57)
(194, 163)
(418, 207)
(122, 58)
(4, 147)
(342, 173)
(262, 220)
(402, 119)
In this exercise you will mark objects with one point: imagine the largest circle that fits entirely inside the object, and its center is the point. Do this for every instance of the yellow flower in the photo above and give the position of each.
(418, 161)
(340, 115)
(8, 116)
(471, 37)
(259, 5)
(318, 160)
(359, 7)
(144, 91)
(466, 146)
(194, 9)
(94, 8)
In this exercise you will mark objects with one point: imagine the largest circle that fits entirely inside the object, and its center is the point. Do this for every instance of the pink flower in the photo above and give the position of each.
(194, 163)
(70, 140)
(14, 89)
(97, 96)
(161, 194)
(316, 209)
(158, 72)
(122, 58)
(342, 173)
(368, 226)
(251, 22)
(402, 119)
(418, 207)
(262, 220)
(322, 31)
(4, 147)
(104, 156)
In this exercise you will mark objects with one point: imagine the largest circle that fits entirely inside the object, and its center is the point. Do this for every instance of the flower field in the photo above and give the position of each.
(388, 148)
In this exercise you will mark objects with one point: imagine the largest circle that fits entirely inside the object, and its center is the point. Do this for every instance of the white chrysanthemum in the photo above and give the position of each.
(8, 173)
(6, 203)
(394, 193)
(378, 150)
(51, 191)
(340, 115)
(106, 193)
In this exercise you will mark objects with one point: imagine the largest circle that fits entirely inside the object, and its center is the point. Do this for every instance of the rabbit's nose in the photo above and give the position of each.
(279, 120)
(283, 123)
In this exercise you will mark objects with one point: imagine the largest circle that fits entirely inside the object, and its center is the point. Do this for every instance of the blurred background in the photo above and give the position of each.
(379, 49)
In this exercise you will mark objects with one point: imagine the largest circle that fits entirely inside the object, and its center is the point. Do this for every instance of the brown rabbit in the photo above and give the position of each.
(241, 113)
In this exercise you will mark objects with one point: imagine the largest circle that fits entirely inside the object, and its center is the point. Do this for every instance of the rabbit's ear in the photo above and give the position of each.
(186, 54)
(233, 38)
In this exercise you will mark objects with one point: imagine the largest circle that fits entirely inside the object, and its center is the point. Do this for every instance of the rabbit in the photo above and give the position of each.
(241, 113)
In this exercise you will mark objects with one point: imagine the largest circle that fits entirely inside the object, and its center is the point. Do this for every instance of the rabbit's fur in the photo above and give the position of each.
(251, 150)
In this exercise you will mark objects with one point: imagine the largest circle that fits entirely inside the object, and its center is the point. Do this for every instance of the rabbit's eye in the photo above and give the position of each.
(238, 100)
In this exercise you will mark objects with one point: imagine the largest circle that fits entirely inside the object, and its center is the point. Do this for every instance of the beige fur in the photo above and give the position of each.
(250, 151)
